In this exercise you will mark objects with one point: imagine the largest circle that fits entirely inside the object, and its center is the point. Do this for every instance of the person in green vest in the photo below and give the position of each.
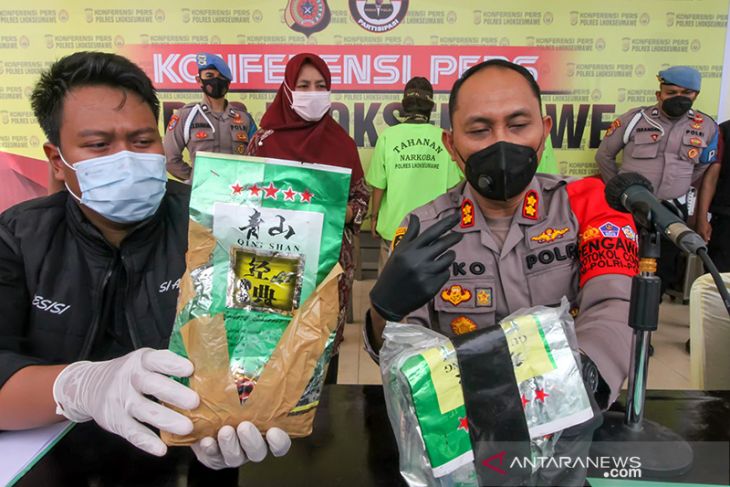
(409, 166)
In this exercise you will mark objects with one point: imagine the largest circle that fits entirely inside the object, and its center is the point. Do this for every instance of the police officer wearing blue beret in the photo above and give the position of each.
(670, 143)
(212, 124)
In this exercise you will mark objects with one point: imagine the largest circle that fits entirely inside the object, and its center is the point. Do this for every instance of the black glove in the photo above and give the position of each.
(416, 270)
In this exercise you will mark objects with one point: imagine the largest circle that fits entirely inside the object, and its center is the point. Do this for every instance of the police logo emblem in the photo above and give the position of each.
(629, 232)
(307, 16)
(378, 16)
(202, 59)
(609, 230)
(693, 152)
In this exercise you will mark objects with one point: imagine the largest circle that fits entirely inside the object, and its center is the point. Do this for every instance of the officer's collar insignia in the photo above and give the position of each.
(399, 233)
(549, 235)
(455, 294)
(529, 205)
(204, 107)
(462, 324)
(467, 213)
(655, 112)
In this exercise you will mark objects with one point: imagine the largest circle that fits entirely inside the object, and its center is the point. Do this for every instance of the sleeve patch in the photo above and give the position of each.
(608, 238)
(173, 122)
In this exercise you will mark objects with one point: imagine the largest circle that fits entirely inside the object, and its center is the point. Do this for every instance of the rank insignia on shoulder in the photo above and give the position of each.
(462, 324)
(484, 297)
(693, 152)
(529, 205)
(399, 233)
(549, 235)
(455, 295)
(173, 122)
(467, 213)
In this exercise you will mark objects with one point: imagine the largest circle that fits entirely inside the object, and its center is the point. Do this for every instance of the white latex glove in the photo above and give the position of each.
(111, 393)
(236, 447)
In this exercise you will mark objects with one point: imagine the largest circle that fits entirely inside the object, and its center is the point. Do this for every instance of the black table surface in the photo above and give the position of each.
(352, 444)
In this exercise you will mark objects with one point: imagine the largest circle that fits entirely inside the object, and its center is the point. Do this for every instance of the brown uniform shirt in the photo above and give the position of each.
(671, 153)
(563, 241)
(196, 127)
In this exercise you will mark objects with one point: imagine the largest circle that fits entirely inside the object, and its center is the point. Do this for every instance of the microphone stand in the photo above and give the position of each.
(662, 452)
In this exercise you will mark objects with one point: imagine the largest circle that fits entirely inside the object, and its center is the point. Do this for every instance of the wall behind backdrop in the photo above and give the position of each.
(593, 59)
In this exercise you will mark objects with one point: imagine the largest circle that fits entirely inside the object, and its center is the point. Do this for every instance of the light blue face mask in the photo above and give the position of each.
(125, 187)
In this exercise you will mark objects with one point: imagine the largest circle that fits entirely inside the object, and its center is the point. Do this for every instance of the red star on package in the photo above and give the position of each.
(306, 196)
(289, 194)
(540, 395)
(463, 424)
(271, 191)
(237, 188)
(525, 401)
(255, 190)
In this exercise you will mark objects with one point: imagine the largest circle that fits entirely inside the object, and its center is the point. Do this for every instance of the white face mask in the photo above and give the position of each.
(311, 105)
(125, 187)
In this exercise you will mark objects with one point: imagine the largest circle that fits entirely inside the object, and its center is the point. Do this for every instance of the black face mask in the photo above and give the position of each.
(677, 106)
(215, 87)
(501, 171)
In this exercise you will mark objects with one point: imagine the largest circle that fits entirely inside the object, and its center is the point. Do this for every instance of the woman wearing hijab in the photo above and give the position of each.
(297, 126)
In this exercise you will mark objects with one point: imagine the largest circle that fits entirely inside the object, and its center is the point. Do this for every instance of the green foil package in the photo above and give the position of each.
(258, 302)
(427, 398)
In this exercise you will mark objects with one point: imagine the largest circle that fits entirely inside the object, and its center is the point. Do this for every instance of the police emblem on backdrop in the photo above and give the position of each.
(307, 16)
(378, 16)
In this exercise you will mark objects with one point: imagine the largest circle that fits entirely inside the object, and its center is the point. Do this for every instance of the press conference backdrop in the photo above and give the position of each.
(593, 59)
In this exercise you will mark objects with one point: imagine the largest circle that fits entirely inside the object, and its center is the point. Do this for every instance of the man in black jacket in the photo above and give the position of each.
(89, 276)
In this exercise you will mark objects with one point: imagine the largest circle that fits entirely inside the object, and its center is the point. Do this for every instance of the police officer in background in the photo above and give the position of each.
(517, 239)
(670, 144)
(211, 125)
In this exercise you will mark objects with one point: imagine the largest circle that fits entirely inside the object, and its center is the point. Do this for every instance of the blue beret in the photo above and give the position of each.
(207, 61)
(683, 76)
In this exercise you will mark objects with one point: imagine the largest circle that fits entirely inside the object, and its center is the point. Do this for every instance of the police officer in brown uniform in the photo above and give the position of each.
(670, 144)
(211, 125)
(517, 239)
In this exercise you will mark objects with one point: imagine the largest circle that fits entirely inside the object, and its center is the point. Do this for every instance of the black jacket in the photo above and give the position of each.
(67, 295)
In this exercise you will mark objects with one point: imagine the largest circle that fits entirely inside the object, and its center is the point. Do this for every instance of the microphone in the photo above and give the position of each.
(632, 193)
